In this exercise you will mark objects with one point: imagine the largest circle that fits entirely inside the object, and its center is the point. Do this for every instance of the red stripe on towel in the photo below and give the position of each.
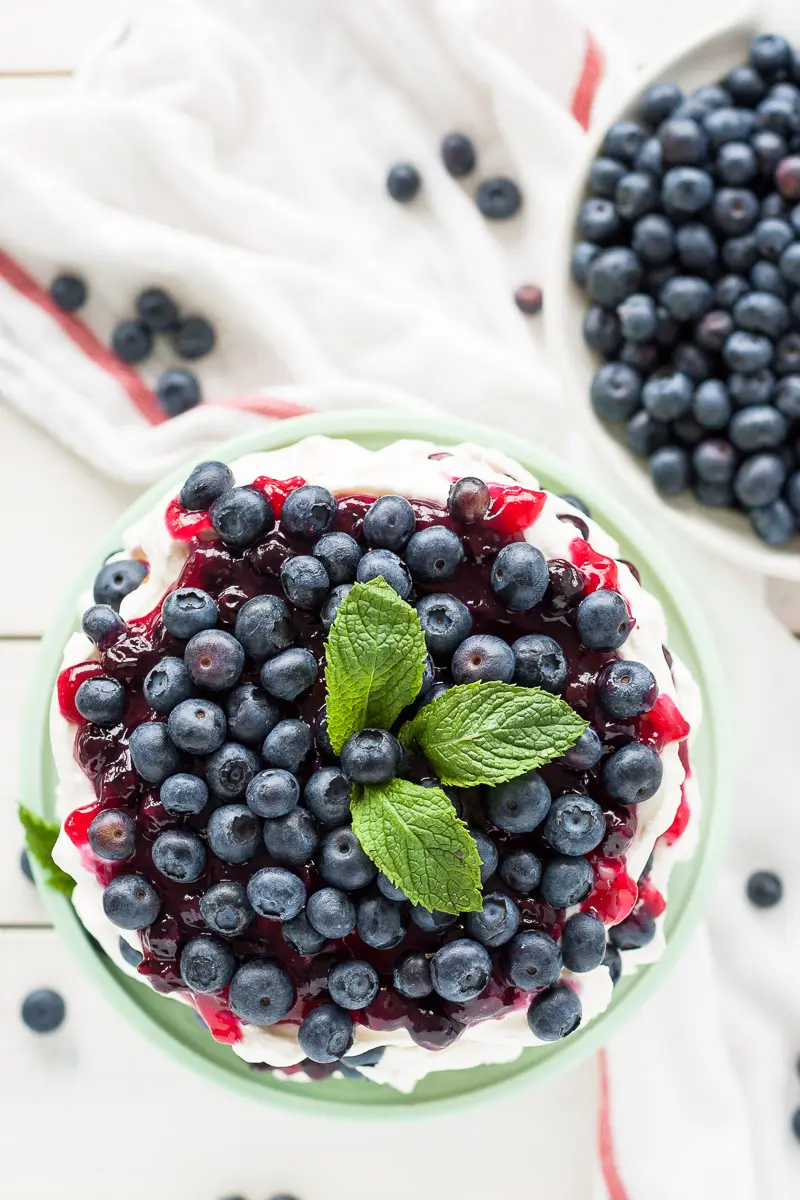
(266, 406)
(605, 1138)
(586, 89)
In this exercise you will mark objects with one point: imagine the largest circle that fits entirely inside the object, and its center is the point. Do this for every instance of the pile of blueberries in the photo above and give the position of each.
(690, 255)
(192, 337)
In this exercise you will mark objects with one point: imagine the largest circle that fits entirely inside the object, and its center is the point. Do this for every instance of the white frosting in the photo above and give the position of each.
(404, 467)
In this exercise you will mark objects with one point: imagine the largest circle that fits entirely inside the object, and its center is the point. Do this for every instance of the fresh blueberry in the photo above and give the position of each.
(704, 100)
(156, 309)
(644, 434)
(289, 674)
(300, 934)
(412, 976)
(226, 909)
(129, 954)
(615, 393)
(327, 796)
(539, 661)
(380, 922)
(131, 341)
(532, 960)
(483, 657)
(714, 495)
(787, 397)
(496, 923)
(566, 881)
(179, 855)
(767, 277)
(264, 627)
(152, 752)
(251, 714)
(341, 861)
(583, 255)
(751, 389)
(762, 312)
(272, 793)
(519, 577)
(759, 427)
(725, 125)
(487, 853)
(746, 85)
(637, 317)
(764, 889)
(307, 512)
(194, 337)
(521, 870)
(787, 355)
(636, 194)
(434, 554)
(633, 773)
(520, 805)
(650, 158)
(635, 931)
(736, 164)
(305, 581)
(658, 102)
(115, 580)
(668, 395)
(683, 142)
(687, 432)
(214, 659)
(669, 470)
(623, 140)
(389, 523)
(686, 297)
(353, 985)
(188, 611)
(575, 824)
(626, 689)
(261, 992)
(653, 239)
(240, 516)
(389, 890)
(687, 189)
(729, 289)
(469, 500)
(431, 922)
(69, 292)
(689, 359)
(177, 391)
(197, 726)
(276, 894)
(711, 405)
(43, 1010)
(759, 480)
(735, 211)
(335, 600)
(770, 54)
(586, 753)
(696, 246)
(206, 483)
(112, 835)
(332, 913)
(101, 701)
(601, 330)
(603, 621)
(371, 756)
(613, 275)
(458, 154)
(385, 564)
(604, 175)
(131, 902)
(555, 1014)
(288, 744)
(774, 206)
(787, 177)
(102, 624)
(292, 839)
(460, 970)
(498, 198)
(740, 254)
(445, 621)
(207, 964)
(234, 833)
(773, 523)
(326, 1034)
(340, 555)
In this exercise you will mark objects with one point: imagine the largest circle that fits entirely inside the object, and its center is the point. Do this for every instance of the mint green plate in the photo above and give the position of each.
(173, 1027)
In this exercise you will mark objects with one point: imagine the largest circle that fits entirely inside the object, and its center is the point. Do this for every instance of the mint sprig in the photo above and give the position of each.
(488, 733)
(413, 835)
(40, 838)
(374, 661)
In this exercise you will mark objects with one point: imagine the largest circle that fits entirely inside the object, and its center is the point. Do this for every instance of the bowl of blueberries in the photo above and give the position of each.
(674, 302)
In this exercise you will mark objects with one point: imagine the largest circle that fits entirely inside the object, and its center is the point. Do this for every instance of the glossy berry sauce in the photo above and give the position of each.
(233, 577)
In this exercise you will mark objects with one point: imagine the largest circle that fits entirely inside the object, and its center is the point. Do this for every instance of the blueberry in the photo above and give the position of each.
(599, 221)
(341, 861)
(226, 909)
(305, 581)
(668, 395)
(431, 922)
(575, 824)
(669, 470)
(626, 689)
(555, 1014)
(740, 254)
(539, 661)
(131, 902)
(603, 621)
(194, 337)
(340, 555)
(690, 360)
(188, 611)
(770, 54)
(152, 752)
(746, 85)
(179, 855)
(25, 866)
(206, 483)
(326, 1034)
(291, 839)
(102, 625)
(635, 931)
(214, 659)
(332, 913)
(434, 554)
(131, 341)
(759, 480)
(276, 894)
(687, 189)
(101, 701)
(644, 434)
(197, 726)
(469, 500)
(714, 495)
(633, 773)
(613, 962)
(445, 621)
(767, 277)
(704, 100)
(261, 992)
(729, 289)
(354, 984)
(69, 292)
(481, 658)
(302, 937)
(389, 523)
(207, 964)
(290, 673)
(129, 954)
(683, 142)
(696, 246)
(686, 297)
(637, 317)
(240, 516)
(601, 330)
(498, 198)
(787, 397)
(773, 523)
(762, 312)
(380, 922)
(623, 140)
(586, 753)
(650, 159)
(335, 600)
(272, 793)
(264, 627)
(371, 756)
(726, 125)
(156, 309)
(403, 181)
(613, 275)
(327, 796)
(583, 254)
(389, 567)
(43, 1010)
(759, 427)
(687, 432)
(736, 164)
(519, 576)
(118, 579)
(251, 714)
(521, 870)
(566, 881)
(412, 976)
(532, 960)
(775, 206)
(458, 154)
(496, 923)
(389, 890)
(112, 835)
(615, 392)
(177, 391)
(787, 355)
(751, 389)
(234, 833)
(288, 744)
(764, 889)
(604, 175)
(487, 852)
(520, 805)
(653, 239)
(461, 970)
(659, 101)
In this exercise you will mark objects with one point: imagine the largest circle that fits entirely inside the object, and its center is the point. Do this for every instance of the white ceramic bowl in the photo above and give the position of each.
(706, 60)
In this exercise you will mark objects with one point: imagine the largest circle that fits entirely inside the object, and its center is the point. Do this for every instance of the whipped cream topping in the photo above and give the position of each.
(407, 468)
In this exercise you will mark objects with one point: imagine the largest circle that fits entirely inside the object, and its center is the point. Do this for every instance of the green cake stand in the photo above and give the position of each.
(173, 1027)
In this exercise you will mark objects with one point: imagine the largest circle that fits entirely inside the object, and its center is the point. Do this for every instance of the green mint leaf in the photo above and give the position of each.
(413, 835)
(374, 661)
(40, 838)
(491, 732)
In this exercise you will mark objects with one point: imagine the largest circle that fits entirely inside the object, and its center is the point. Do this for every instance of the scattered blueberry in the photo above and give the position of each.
(458, 154)
(288, 744)
(615, 392)
(434, 554)
(387, 565)
(635, 931)
(529, 299)
(205, 484)
(499, 198)
(152, 752)
(69, 292)
(445, 621)
(341, 861)
(251, 714)
(521, 870)
(532, 960)
(305, 581)
(613, 961)
(371, 756)
(519, 576)
(179, 855)
(131, 341)
(412, 976)
(764, 889)
(156, 309)
(273, 793)
(302, 937)
(431, 922)
(773, 523)
(340, 555)
(603, 621)
(43, 1010)
(487, 852)
(102, 624)
(403, 182)
(240, 516)
(129, 954)
(380, 922)
(540, 662)
(327, 796)
(167, 685)
(566, 881)
(194, 337)
(333, 914)
(586, 753)
(670, 470)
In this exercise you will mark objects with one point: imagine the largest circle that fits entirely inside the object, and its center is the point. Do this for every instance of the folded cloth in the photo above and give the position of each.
(235, 153)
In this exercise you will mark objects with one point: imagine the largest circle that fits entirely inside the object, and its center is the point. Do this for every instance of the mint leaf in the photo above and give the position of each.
(491, 732)
(374, 661)
(40, 837)
(413, 835)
